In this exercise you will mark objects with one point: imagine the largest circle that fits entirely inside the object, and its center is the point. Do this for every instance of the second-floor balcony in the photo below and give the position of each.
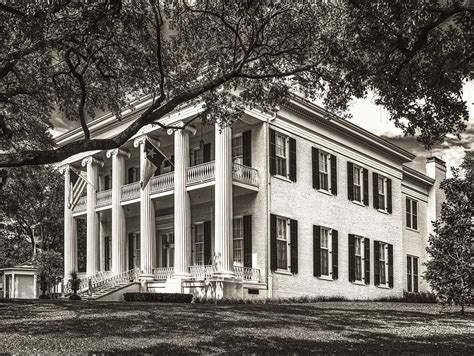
(196, 175)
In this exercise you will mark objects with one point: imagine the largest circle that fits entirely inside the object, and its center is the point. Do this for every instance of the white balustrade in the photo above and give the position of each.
(201, 173)
(81, 204)
(245, 174)
(104, 198)
(131, 191)
(163, 272)
(247, 273)
(202, 272)
(162, 183)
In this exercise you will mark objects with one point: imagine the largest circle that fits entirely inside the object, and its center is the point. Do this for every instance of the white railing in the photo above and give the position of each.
(244, 174)
(104, 198)
(162, 182)
(247, 273)
(201, 173)
(163, 272)
(112, 280)
(81, 204)
(202, 272)
(130, 191)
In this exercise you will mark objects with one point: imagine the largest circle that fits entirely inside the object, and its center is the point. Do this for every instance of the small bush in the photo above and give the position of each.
(293, 300)
(158, 297)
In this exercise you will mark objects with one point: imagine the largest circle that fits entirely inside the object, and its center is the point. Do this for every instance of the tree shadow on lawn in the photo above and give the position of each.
(240, 328)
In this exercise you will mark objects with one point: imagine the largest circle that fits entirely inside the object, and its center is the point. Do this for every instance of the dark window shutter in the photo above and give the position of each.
(365, 174)
(315, 163)
(376, 263)
(130, 174)
(389, 196)
(335, 253)
(247, 240)
(206, 153)
(207, 242)
(351, 258)
(367, 261)
(333, 163)
(350, 181)
(294, 246)
(247, 148)
(316, 251)
(375, 185)
(273, 242)
(390, 266)
(272, 152)
(292, 159)
(130, 251)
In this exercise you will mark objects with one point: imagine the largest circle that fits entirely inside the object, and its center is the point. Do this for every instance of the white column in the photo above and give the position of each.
(92, 165)
(182, 206)
(101, 243)
(119, 230)
(147, 220)
(70, 231)
(223, 202)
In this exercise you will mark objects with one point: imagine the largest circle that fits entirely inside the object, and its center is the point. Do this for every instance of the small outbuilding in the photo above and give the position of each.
(20, 282)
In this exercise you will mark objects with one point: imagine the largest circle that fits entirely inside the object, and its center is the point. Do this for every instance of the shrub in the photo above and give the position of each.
(422, 297)
(293, 300)
(158, 297)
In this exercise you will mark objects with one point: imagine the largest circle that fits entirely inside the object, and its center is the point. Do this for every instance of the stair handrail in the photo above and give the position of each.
(114, 279)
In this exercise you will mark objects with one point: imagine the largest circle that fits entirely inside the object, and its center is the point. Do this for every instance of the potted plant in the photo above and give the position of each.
(43, 286)
(75, 283)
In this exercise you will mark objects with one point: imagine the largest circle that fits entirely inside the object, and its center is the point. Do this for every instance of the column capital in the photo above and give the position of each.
(141, 139)
(181, 126)
(91, 160)
(118, 152)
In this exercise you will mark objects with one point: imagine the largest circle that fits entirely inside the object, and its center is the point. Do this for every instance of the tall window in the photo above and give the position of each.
(382, 195)
(136, 248)
(198, 156)
(238, 234)
(325, 252)
(108, 253)
(237, 149)
(199, 244)
(357, 173)
(167, 250)
(412, 213)
(412, 274)
(323, 171)
(282, 243)
(281, 154)
(358, 258)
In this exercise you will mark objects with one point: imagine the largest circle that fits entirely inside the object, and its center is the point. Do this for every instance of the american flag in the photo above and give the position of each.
(77, 183)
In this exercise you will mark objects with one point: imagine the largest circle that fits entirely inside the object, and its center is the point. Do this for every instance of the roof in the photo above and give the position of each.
(417, 176)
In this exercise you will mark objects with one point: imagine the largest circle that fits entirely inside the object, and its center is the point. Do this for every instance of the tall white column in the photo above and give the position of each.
(223, 202)
(119, 230)
(182, 206)
(147, 220)
(70, 231)
(101, 243)
(92, 165)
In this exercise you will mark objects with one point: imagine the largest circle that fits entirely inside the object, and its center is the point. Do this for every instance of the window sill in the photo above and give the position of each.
(358, 203)
(325, 278)
(412, 230)
(284, 272)
(383, 211)
(283, 178)
(383, 286)
(327, 192)
(359, 283)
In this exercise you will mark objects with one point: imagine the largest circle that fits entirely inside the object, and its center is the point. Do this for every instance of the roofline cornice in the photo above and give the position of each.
(417, 176)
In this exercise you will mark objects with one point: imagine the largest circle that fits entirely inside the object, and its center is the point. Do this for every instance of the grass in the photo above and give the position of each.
(336, 327)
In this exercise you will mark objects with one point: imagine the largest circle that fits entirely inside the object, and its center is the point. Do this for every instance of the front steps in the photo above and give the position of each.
(112, 293)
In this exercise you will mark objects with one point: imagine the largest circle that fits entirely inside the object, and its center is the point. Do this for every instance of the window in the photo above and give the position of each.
(108, 253)
(282, 243)
(281, 154)
(325, 243)
(382, 196)
(198, 156)
(383, 263)
(412, 274)
(238, 236)
(133, 174)
(107, 182)
(357, 183)
(359, 251)
(237, 149)
(198, 244)
(323, 171)
(412, 213)
(137, 250)
(167, 249)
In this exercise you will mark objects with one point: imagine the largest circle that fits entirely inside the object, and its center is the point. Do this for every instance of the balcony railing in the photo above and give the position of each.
(104, 198)
(201, 173)
(202, 272)
(244, 174)
(247, 273)
(163, 272)
(162, 183)
(131, 191)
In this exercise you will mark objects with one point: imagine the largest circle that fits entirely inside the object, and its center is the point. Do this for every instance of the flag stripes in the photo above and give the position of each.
(77, 184)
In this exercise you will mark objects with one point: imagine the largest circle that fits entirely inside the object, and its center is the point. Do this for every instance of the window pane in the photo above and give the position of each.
(358, 268)
(381, 184)
(415, 265)
(408, 205)
(357, 246)
(323, 162)
(356, 175)
(323, 181)
(324, 238)
(408, 219)
(238, 245)
(282, 254)
(409, 264)
(325, 262)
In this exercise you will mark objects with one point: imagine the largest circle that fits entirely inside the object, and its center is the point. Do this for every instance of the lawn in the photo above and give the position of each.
(80, 327)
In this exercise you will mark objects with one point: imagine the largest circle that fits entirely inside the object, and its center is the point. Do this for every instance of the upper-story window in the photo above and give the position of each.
(237, 149)
(108, 181)
(281, 149)
(282, 155)
(323, 170)
(412, 213)
(198, 156)
(133, 174)
(357, 183)
(382, 192)
(382, 181)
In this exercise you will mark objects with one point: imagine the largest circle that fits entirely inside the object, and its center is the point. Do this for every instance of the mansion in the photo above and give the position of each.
(290, 203)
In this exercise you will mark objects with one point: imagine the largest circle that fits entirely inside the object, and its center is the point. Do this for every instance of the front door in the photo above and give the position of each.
(134, 250)
(167, 248)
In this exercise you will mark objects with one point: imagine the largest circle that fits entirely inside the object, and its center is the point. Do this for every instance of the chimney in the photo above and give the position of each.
(436, 169)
